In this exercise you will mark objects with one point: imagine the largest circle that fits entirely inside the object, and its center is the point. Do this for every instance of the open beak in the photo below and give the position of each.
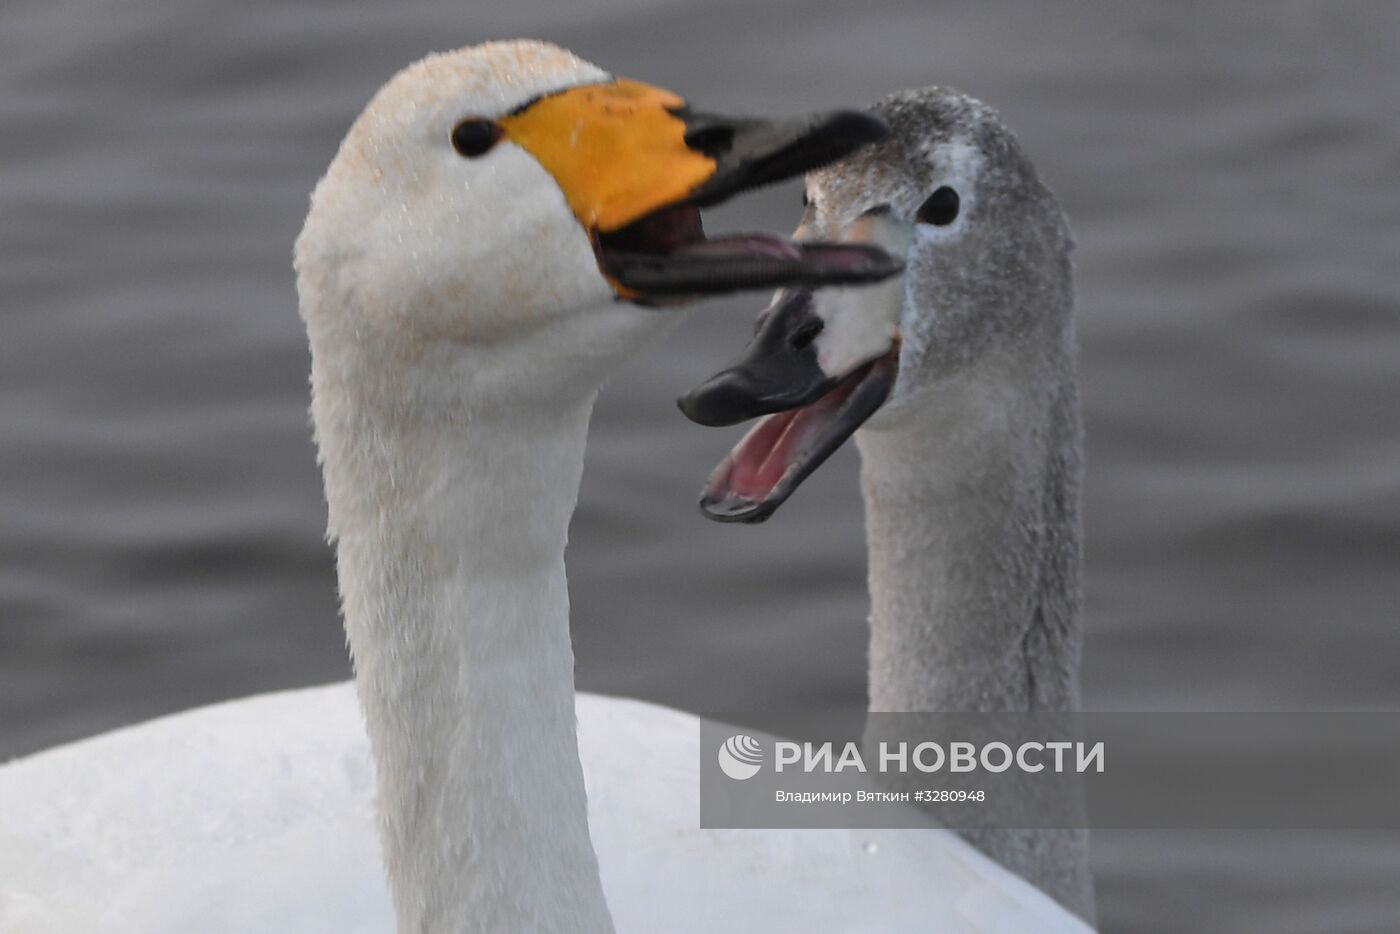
(808, 413)
(636, 165)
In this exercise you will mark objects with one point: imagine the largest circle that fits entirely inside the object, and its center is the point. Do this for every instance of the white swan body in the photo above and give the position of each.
(257, 816)
(451, 276)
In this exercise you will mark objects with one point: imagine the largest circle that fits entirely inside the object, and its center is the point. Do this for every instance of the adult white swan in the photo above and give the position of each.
(459, 275)
(963, 374)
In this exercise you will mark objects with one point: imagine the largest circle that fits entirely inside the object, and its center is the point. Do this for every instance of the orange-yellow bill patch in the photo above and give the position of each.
(616, 150)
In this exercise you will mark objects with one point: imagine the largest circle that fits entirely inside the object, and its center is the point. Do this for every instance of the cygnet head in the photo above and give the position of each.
(498, 217)
(987, 272)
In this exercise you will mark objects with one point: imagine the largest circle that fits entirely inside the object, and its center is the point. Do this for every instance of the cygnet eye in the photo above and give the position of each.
(941, 208)
(475, 137)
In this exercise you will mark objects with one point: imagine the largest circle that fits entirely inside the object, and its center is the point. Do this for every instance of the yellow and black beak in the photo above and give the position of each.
(636, 164)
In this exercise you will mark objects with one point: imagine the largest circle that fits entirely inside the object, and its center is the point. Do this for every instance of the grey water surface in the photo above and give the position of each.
(1232, 171)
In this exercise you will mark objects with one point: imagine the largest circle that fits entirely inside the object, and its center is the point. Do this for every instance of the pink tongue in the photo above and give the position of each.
(760, 461)
(765, 454)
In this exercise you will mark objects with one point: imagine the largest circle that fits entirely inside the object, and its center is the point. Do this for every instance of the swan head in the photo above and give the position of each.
(986, 250)
(503, 215)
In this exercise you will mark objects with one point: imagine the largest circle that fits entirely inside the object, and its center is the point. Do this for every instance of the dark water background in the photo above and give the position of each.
(1231, 170)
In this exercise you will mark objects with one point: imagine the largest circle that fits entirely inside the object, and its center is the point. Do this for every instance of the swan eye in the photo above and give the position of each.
(941, 208)
(806, 199)
(472, 138)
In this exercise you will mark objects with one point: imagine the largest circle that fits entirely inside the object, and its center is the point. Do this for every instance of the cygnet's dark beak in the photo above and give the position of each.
(809, 414)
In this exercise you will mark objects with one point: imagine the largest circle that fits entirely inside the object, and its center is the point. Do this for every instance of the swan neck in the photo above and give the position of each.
(972, 514)
(450, 527)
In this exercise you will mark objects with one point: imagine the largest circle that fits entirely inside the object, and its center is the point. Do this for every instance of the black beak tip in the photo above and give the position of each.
(858, 127)
(724, 399)
(693, 408)
(885, 265)
(736, 509)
